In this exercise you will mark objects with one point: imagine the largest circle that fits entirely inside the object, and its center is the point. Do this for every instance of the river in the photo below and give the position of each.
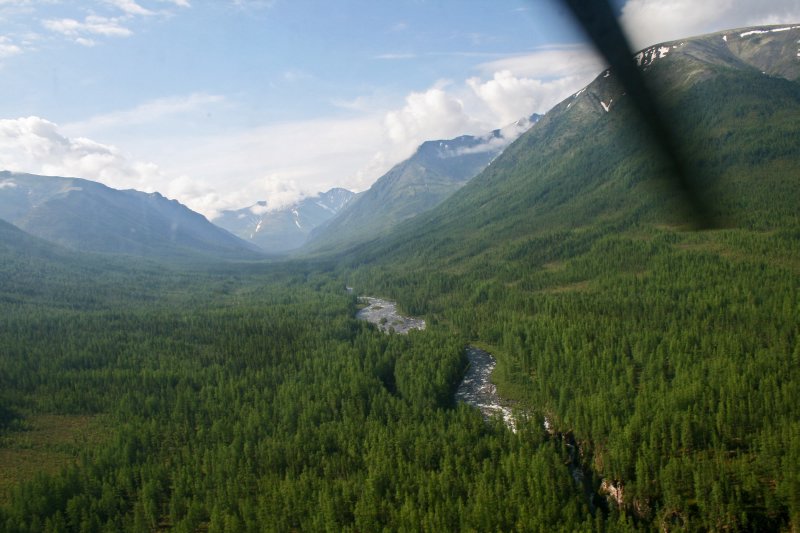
(476, 389)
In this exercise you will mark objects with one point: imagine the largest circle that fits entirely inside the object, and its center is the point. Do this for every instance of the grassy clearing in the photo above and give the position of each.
(46, 444)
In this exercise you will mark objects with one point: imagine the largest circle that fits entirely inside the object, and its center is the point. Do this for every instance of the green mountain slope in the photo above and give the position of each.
(670, 355)
(583, 166)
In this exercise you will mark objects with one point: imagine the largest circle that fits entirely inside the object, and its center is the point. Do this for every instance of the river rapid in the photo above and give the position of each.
(477, 389)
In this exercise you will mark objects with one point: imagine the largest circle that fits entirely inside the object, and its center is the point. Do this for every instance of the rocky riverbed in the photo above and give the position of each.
(477, 389)
(384, 314)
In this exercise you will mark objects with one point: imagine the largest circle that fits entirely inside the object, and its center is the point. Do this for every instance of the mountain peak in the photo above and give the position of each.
(284, 229)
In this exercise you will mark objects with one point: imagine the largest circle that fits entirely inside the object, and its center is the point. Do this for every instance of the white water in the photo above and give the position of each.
(383, 313)
(477, 389)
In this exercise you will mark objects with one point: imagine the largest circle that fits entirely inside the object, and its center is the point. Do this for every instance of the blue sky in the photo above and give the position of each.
(223, 103)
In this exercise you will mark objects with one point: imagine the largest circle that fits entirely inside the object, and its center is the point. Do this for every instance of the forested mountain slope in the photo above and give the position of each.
(670, 355)
(587, 161)
(89, 216)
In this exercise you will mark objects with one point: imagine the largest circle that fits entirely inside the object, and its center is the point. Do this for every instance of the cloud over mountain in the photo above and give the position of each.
(651, 21)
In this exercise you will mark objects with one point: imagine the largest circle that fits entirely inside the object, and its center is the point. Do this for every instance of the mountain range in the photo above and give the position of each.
(557, 173)
(88, 216)
(286, 229)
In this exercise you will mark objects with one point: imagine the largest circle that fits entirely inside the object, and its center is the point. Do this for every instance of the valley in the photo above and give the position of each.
(160, 373)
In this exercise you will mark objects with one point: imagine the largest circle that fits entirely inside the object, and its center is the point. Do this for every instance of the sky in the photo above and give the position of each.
(223, 103)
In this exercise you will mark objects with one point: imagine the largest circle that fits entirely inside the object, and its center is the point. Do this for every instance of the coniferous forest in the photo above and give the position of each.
(653, 369)
(248, 397)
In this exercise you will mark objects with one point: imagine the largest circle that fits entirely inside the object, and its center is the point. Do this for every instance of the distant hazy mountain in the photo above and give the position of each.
(89, 216)
(284, 229)
(435, 171)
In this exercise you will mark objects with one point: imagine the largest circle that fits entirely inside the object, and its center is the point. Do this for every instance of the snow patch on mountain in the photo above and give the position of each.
(325, 207)
(647, 57)
(760, 32)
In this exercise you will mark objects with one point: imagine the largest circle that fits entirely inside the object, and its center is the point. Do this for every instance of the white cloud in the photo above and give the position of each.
(179, 3)
(522, 84)
(652, 21)
(508, 134)
(92, 25)
(284, 162)
(130, 7)
(280, 163)
(507, 96)
(548, 63)
(510, 98)
(37, 146)
(434, 114)
(7, 48)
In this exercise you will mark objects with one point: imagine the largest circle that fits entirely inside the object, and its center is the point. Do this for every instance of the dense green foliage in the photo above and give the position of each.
(672, 356)
(264, 405)
(247, 397)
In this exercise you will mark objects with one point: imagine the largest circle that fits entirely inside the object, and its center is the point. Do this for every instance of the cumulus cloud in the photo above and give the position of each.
(509, 97)
(284, 162)
(33, 144)
(652, 21)
(433, 114)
